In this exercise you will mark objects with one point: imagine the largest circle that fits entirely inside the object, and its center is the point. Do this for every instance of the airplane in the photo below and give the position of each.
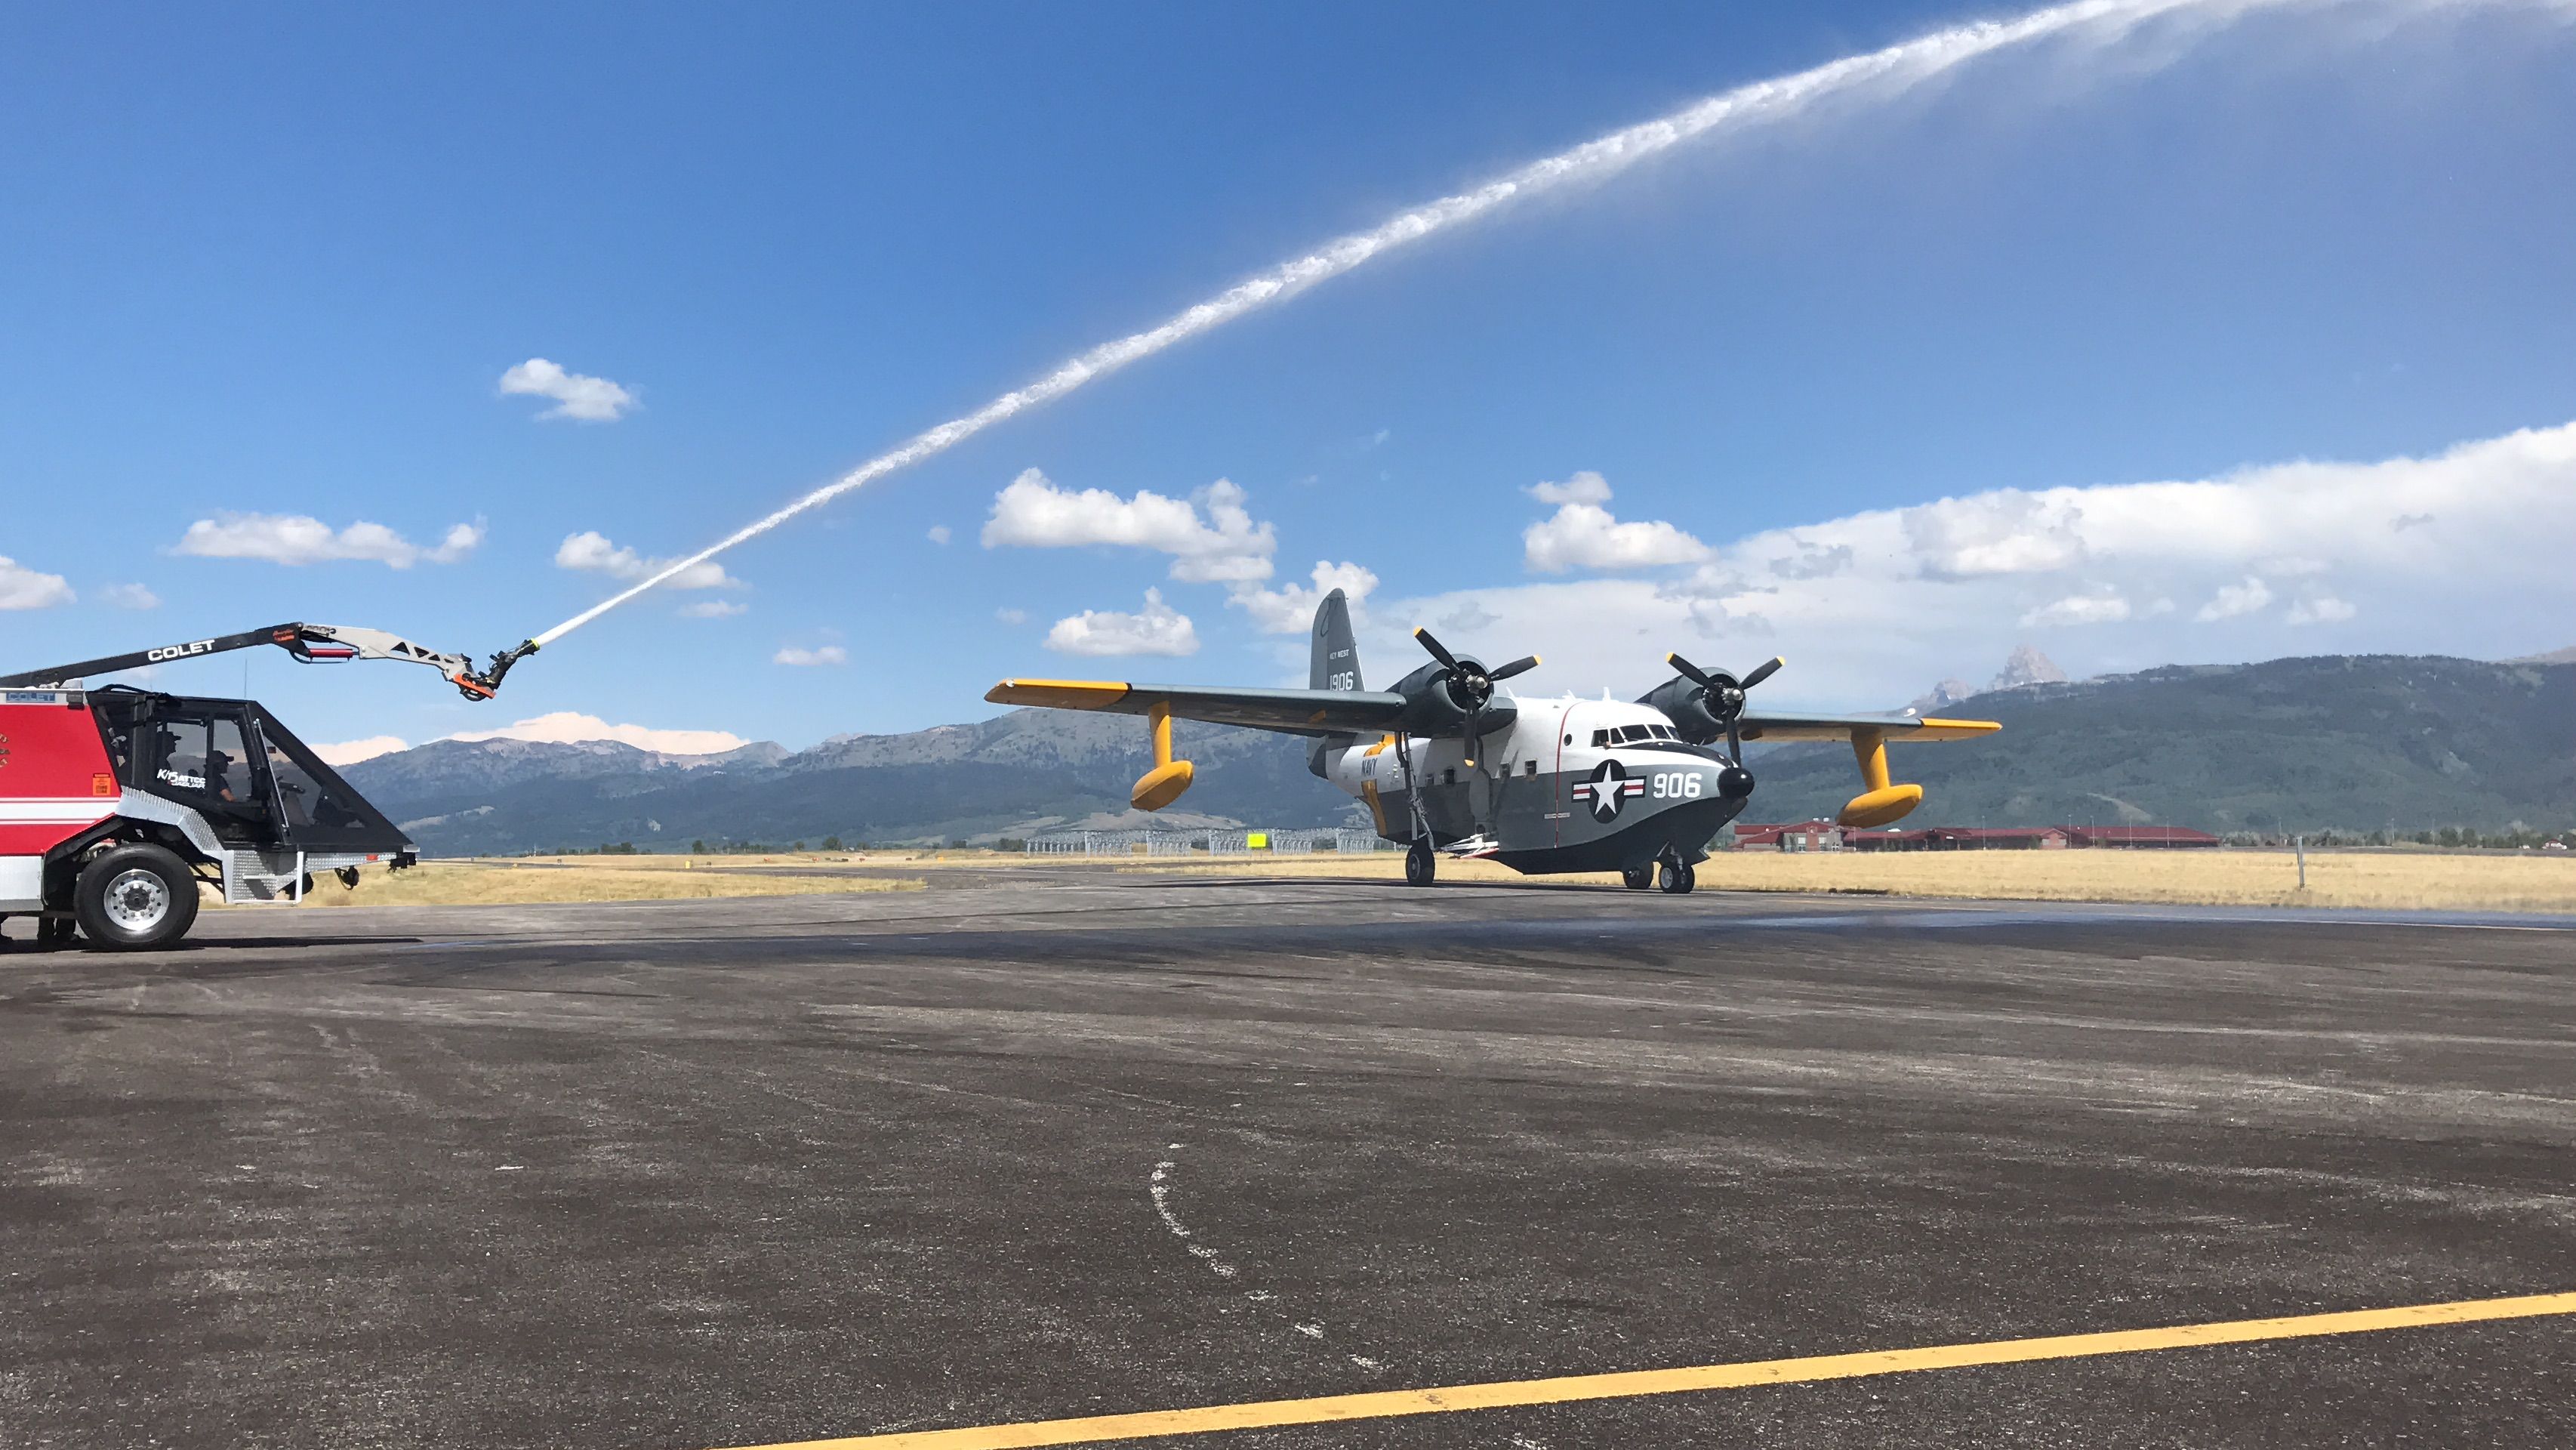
(1541, 785)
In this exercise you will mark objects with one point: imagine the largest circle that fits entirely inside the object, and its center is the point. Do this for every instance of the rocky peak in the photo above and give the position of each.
(2027, 666)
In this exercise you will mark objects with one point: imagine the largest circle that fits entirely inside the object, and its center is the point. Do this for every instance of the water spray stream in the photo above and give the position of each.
(1896, 67)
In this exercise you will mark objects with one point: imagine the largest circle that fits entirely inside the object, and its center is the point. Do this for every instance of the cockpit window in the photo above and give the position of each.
(1600, 738)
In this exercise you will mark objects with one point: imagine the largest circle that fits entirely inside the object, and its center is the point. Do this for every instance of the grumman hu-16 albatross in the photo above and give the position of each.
(1540, 785)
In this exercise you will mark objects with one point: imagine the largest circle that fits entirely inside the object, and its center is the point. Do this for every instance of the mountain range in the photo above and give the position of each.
(2356, 743)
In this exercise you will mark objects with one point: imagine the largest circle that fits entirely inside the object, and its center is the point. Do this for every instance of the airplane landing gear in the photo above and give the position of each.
(1637, 878)
(1675, 876)
(1419, 864)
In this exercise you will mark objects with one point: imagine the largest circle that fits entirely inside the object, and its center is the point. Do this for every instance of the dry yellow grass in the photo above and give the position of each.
(479, 883)
(2384, 880)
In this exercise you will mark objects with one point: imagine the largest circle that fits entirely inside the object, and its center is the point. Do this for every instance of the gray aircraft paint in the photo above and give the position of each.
(1547, 820)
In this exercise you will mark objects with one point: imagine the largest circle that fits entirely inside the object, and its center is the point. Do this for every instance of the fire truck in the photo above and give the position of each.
(117, 804)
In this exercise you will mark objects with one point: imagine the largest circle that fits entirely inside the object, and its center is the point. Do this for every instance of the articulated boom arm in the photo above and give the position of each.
(309, 644)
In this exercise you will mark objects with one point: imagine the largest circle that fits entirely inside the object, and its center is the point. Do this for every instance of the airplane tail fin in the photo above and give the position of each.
(1335, 665)
(1336, 657)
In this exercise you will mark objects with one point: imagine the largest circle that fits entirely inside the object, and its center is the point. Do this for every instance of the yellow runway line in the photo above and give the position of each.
(1328, 1409)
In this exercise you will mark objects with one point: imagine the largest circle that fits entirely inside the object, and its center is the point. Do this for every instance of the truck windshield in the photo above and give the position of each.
(323, 813)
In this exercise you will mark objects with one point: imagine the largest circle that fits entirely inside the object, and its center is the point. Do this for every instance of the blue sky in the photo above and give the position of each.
(278, 262)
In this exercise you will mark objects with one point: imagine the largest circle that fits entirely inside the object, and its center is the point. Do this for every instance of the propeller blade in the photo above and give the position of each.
(1438, 652)
(1762, 671)
(1525, 662)
(1689, 671)
(1475, 733)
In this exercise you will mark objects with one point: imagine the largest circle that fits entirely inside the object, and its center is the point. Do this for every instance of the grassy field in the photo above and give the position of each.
(2387, 880)
(611, 878)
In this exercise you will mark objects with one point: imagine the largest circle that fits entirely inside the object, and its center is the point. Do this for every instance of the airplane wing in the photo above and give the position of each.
(1294, 712)
(1770, 725)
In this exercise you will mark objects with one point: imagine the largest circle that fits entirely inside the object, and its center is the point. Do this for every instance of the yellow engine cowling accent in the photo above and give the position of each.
(1163, 784)
(1879, 803)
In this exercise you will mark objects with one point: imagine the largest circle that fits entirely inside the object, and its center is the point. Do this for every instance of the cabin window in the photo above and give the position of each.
(1530, 768)
(1449, 777)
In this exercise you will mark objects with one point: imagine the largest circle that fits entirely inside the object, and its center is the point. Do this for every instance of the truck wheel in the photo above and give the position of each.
(135, 898)
(1418, 865)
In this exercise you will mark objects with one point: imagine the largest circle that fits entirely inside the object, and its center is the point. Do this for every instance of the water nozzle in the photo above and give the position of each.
(483, 685)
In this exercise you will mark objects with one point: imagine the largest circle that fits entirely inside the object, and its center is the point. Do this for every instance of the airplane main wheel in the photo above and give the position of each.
(135, 898)
(1638, 878)
(1418, 865)
(1676, 877)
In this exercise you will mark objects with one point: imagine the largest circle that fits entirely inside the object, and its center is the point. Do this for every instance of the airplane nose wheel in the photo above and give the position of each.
(1675, 876)
(1418, 864)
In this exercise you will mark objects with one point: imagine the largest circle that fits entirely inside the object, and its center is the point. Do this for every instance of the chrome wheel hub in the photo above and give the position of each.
(137, 900)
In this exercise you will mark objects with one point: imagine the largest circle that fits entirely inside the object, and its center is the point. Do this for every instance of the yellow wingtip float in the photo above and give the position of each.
(1882, 803)
(1163, 784)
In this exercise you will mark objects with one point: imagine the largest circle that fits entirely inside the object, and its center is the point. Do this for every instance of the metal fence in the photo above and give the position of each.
(1219, 842)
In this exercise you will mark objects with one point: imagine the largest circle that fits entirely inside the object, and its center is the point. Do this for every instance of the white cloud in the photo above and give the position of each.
(1290, 608)
(939, 534)
(1583, 535)
(350, 752)
(298, 539)
(1157, 629)
(2003, 532)
(797, 655)
(2320, 609)
(577, 396)
(2081, 609)
(1584, 487)
(24, 588)
(130, 596)
(566, 728)
(2232, 600)
(1008, 615)
(1942, 588)
(591, 552)
(1225, 546)
(714, 609)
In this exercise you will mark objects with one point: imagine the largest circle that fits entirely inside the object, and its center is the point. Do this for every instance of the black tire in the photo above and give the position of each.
(1676, 878)
(135, 898)
(1419, 867)
(1638, 878)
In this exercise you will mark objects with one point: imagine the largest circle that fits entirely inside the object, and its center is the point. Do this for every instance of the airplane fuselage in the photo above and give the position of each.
(1566, 785)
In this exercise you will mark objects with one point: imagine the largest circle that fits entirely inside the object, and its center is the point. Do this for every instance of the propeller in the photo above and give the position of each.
(1723, 693)
(1470, 686)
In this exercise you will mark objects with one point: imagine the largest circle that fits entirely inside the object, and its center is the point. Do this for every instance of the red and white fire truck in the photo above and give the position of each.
(116, 803)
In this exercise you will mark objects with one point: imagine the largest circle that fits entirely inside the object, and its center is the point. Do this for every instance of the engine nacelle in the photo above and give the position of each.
(1433, 707)
(1691, 707)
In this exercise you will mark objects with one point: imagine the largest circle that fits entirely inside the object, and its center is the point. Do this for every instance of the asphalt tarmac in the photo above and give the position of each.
(1046, 1143)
